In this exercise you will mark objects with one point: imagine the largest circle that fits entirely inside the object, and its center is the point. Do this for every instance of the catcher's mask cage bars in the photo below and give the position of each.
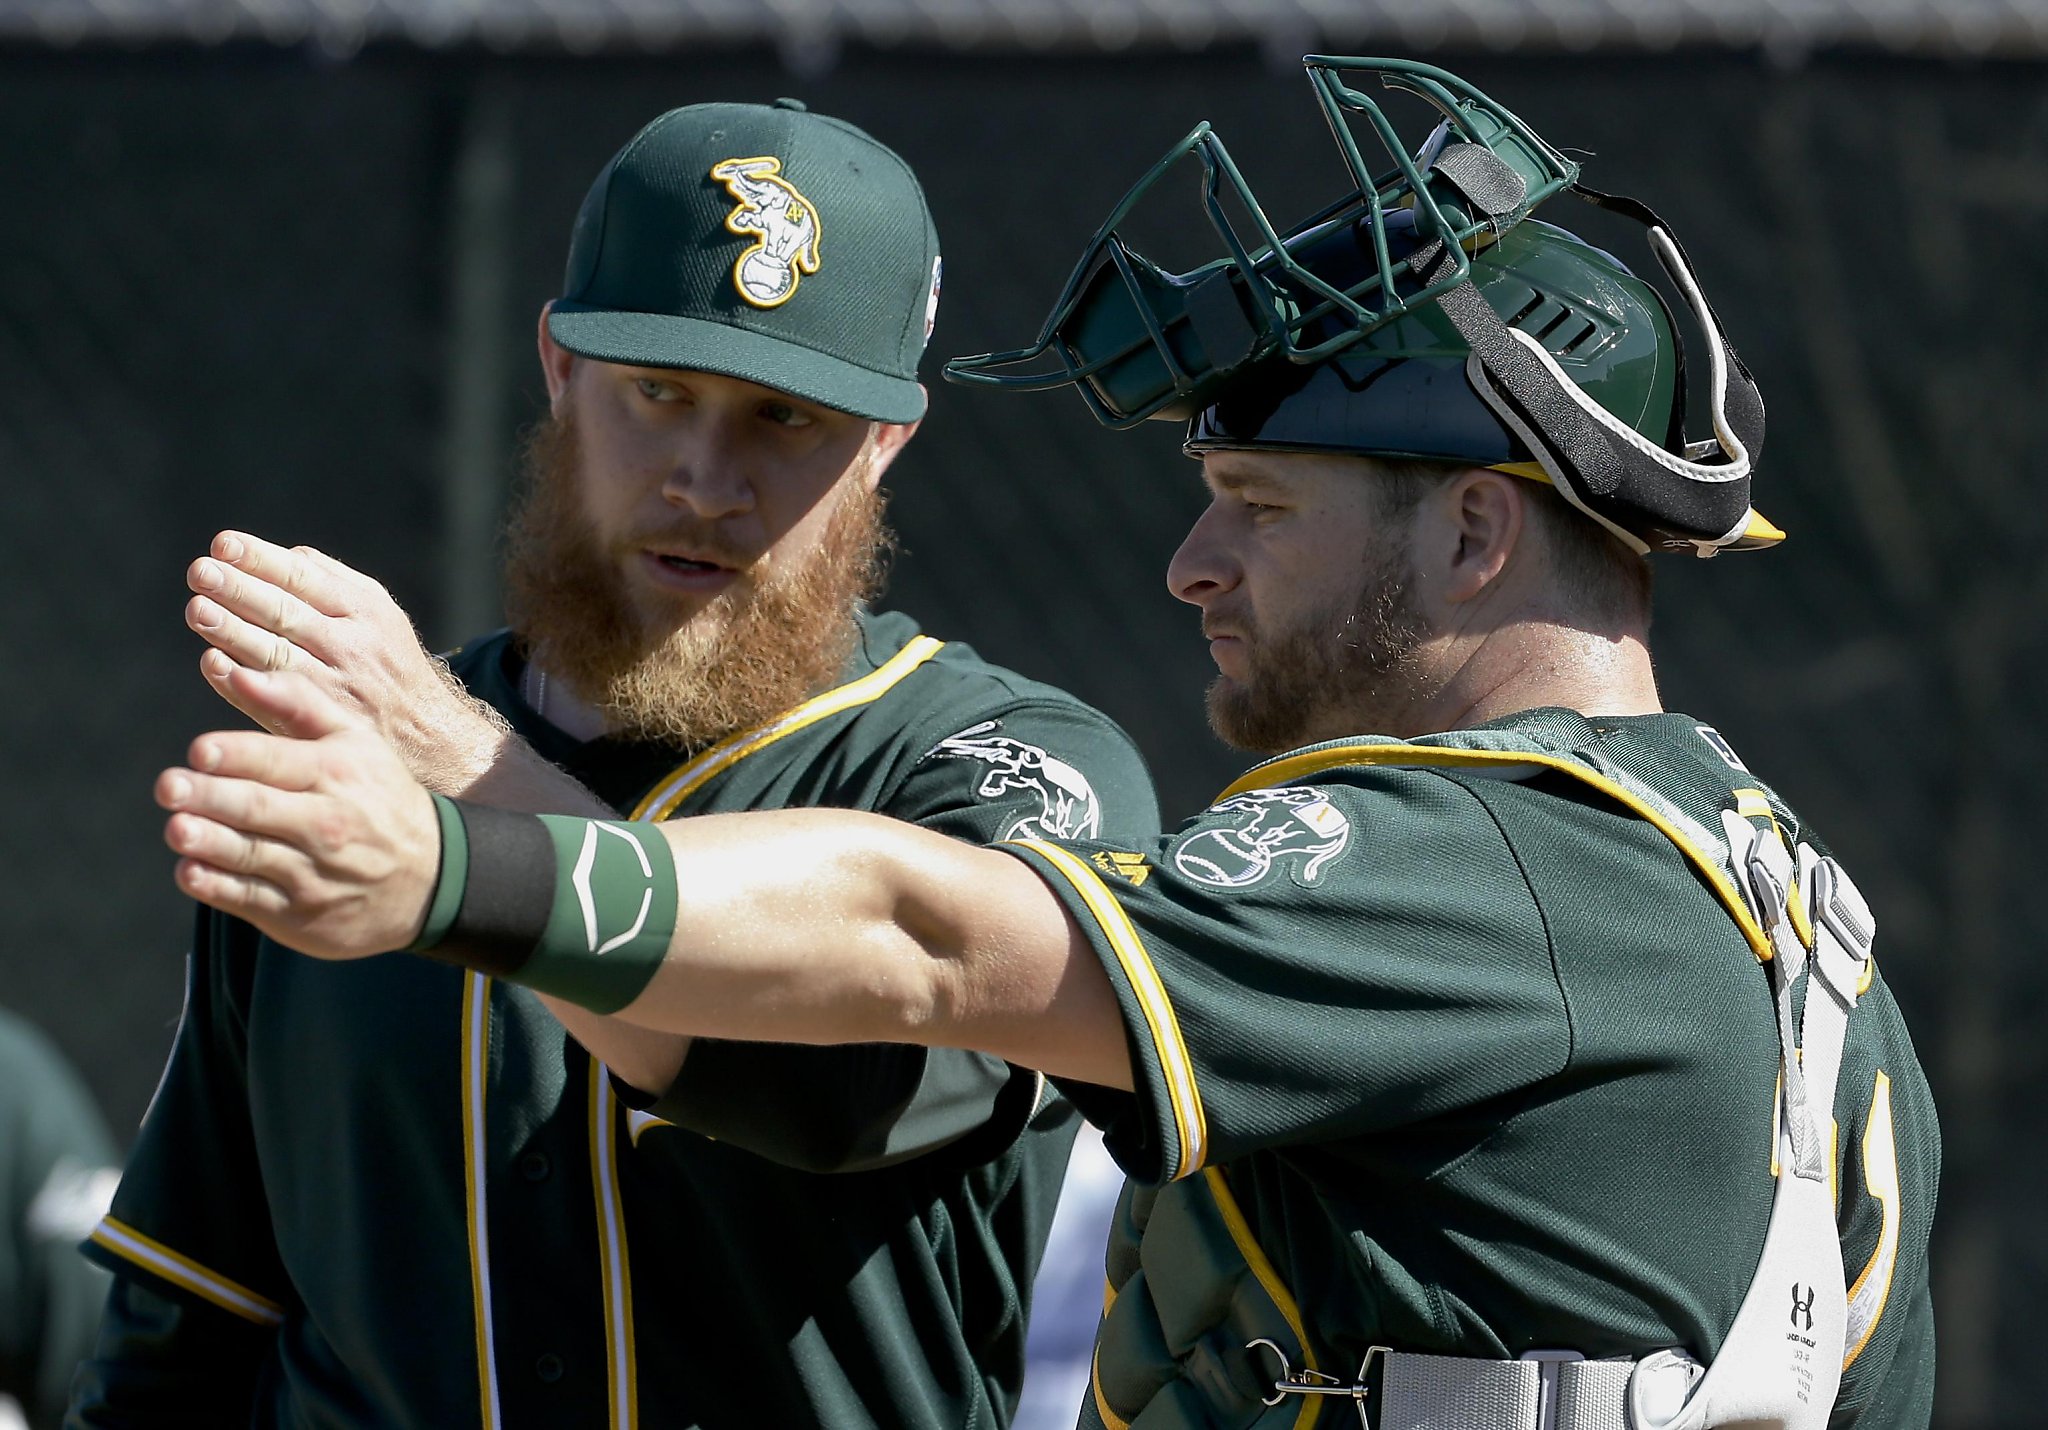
(1523, 172)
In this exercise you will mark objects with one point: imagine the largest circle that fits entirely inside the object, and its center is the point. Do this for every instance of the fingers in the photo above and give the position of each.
(235, 851)
(341, 572)
(284, 701)
(225, 594)
(226, 830)
(288, 759)
(271, 703)
(314, 578)
(228, 766)
(241, 895)
(249, 813)
(249, 643)
(260, 706)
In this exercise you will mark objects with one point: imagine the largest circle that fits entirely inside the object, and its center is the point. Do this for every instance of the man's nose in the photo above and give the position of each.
(1201, 569)
(706, 479)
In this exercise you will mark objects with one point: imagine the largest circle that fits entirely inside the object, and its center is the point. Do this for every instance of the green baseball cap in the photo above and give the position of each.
(761, 242)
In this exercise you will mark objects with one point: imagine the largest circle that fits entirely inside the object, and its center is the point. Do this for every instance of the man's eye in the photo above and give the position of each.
(655, 390)
(783, 414)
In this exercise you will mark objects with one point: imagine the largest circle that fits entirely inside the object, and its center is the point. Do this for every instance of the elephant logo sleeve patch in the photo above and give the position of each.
(1066, 806)
(782, 222)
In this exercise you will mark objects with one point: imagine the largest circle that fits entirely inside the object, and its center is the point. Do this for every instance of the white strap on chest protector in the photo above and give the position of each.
(1781, 1362)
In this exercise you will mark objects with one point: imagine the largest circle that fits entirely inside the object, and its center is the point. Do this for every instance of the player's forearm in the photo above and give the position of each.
(808, 926)
(812, 926)
(645, 1058)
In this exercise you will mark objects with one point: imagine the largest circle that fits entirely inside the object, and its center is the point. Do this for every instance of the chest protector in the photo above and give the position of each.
(1199, 1333)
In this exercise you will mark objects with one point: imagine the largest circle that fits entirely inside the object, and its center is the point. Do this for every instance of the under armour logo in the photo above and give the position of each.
(1802, 1308)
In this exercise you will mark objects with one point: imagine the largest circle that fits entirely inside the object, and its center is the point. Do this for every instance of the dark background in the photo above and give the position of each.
(293, 292)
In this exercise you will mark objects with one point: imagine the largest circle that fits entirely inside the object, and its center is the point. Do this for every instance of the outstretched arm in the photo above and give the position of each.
(813, 926)
(261, 606)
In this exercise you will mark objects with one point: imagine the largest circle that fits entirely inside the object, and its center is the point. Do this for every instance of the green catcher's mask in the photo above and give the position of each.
(1422, 315)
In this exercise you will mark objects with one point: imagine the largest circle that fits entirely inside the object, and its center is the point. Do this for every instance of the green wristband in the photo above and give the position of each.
(613, 914)
(581, 909)
(450, 882)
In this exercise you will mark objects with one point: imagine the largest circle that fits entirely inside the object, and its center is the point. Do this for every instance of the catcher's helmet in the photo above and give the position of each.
(1423, 315)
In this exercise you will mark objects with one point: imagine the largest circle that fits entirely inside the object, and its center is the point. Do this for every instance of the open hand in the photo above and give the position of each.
(323, 841)
(264, 607)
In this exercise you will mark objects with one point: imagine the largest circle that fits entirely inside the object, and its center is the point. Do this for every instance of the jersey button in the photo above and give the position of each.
(549, 1367)
(534, 1166)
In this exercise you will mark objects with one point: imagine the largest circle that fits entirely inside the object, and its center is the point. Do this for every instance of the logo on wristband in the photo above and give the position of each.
(610, 884)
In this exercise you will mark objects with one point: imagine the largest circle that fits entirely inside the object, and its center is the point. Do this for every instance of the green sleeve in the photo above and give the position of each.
(1022, 768)
(166, 1363)
(1305, 964)
(199, 1284)
(1040, 770)
(56, 1169)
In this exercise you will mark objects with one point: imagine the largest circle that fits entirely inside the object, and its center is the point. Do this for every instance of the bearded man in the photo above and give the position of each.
(401, 1195)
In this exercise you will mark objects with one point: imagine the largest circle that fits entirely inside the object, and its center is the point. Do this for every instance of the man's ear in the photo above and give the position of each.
(556, 361)
(1483, 514)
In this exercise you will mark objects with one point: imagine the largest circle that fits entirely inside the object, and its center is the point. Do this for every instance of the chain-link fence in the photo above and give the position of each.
(278, 291)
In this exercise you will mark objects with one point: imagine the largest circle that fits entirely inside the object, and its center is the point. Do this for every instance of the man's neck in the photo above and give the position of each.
(1525, 666)
(1536, 665)
(561, 707)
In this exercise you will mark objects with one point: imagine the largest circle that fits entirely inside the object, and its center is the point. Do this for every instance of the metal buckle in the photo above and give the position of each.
(1315, 1382)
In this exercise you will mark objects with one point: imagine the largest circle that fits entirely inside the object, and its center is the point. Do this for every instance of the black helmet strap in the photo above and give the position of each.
(1744, 404)
(1646, 496)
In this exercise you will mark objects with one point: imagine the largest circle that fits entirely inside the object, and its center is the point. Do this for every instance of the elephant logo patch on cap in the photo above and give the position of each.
(783, 223)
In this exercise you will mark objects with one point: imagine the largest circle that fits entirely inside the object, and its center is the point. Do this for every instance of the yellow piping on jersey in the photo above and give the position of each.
(1873, 1288)
(1283, 1300)
(181, 1270)
(621, 1364)
(1110, 1419)
(476, 1054)
(1294, 767)
(686, 779)
(1189, 1121)
(658, 804)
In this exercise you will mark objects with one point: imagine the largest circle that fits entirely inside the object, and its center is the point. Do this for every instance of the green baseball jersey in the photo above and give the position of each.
(395, 1193)
(1481, 1060)
(56, 1171)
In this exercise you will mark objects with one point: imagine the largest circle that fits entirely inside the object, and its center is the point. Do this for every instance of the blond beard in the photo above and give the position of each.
(770, 640)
